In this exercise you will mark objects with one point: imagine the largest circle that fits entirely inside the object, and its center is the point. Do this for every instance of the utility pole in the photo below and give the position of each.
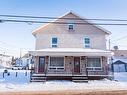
(109, 44)
(3, 59)
(20, 57)
(20, 53)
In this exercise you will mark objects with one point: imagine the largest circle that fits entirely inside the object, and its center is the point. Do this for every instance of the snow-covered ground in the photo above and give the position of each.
(120, 76)
(21, 83)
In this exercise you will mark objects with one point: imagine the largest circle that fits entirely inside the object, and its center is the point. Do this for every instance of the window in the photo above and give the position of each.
(71, 26)
(56, 63)
(54, 42)
(94, 63)
(87, 42)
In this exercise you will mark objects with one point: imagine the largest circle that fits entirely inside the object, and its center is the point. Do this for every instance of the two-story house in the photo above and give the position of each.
(70, 47)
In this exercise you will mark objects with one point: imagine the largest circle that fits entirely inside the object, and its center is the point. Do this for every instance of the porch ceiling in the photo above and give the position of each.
(70, 52)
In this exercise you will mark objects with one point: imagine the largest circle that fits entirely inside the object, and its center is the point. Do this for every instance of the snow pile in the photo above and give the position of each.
(64, 85)
(21, 83)
(23, 76)
(120, 76)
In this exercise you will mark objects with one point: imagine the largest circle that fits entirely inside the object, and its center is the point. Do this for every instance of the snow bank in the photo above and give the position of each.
(21, 83)
(120, 76)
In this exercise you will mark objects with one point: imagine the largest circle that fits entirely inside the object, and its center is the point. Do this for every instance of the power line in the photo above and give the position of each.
(13, 46)
(34, 21)
(125, 46)
(124, 37)
(46, 17)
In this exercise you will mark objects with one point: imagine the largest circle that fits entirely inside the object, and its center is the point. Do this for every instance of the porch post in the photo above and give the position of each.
(36, 64)
(86, 66)
(46, 64)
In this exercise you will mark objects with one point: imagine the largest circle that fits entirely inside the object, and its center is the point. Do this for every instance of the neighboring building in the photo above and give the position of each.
(18, 62)
(71, 49)
(24, 61)
(120, 61)
(120, 53)
(5, 61)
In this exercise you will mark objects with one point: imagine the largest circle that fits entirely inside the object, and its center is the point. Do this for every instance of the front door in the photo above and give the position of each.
(41, 67)
(76, 65)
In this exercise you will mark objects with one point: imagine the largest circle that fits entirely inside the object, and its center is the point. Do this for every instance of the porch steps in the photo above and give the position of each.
(80, 79)
(38, 78)
(38, 74)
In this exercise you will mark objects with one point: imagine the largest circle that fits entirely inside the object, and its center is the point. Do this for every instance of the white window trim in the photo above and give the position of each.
(54, 44)
(95, 67)
(56, 67)
(85, 43)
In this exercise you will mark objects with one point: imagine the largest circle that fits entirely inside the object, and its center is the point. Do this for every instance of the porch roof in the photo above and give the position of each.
(70, 52)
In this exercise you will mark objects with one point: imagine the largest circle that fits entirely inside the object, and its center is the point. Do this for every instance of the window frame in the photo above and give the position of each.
(53, 43)
(61, 68)
(94, 68)
(71, 23)
(85, 43)
(69, 27)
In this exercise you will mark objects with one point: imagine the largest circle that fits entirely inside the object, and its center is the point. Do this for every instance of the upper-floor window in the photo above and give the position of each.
(87, 42)
(71, 26)
(54, 42)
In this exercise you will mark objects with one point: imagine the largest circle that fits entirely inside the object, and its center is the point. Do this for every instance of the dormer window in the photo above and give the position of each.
(87, 42)
(54, 42)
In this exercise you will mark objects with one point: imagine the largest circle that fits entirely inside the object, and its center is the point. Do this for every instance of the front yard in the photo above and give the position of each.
(21, 83)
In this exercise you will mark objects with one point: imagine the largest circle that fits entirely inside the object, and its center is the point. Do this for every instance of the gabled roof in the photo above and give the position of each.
(27, 55)
(119, 62)
(82, 18)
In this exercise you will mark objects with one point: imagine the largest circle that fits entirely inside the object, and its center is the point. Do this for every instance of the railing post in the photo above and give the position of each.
(87, 72)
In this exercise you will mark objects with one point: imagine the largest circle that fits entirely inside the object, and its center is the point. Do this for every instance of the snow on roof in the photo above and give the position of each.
(73, 51)
(123, 59)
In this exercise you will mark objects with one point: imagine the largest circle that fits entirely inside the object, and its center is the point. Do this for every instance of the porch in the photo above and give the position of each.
(68, 64)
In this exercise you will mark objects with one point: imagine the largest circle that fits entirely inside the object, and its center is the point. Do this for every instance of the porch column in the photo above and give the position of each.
(104, 65)
(36, 63)
(46, 64)
(83, 64)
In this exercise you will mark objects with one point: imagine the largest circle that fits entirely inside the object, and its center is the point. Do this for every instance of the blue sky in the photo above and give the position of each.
(18, 35)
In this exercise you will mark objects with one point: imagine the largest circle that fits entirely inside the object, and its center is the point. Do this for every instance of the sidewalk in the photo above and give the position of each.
(118, 92)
